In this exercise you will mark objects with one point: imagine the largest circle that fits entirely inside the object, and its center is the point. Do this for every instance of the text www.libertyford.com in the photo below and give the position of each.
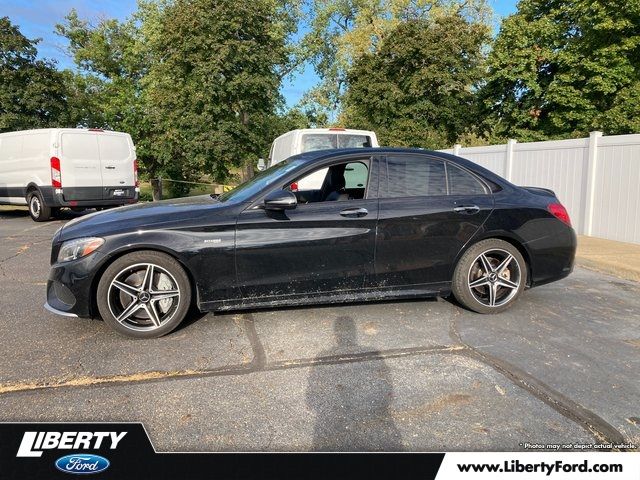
(515, 466)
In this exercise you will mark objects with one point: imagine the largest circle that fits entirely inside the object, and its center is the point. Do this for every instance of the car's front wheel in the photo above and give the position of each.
(144, 294)
(490, 276)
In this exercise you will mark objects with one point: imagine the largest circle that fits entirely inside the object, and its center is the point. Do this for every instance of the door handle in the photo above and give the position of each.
(354, 212)
(471, 209)
(110, 167)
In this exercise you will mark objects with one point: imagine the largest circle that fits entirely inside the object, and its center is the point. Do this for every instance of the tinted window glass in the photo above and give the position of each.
(462, 182)
(415, 176)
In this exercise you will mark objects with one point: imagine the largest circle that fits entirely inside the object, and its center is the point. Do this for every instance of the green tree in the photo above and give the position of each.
(417, 89)
(341, 31)
(560, 69)
(33, 94)
(213, 83)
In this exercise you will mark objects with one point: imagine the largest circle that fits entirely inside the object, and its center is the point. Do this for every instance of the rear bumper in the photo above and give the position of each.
(553, 256)
(89, 196)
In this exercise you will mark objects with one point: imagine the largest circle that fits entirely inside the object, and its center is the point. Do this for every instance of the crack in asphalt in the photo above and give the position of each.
(594, 424)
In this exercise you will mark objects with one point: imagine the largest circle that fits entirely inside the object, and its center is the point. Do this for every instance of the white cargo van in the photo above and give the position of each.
(52, 168)
(311, 139)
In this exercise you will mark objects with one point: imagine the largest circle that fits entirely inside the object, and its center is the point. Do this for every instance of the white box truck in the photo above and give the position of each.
(311, 139)
(53, 168)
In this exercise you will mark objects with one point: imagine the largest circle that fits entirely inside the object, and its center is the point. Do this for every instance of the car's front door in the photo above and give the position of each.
(325, 244)
(429, 209)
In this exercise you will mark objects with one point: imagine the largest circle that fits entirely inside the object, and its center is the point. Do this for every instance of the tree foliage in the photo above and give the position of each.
(561, 69)
(341, 31)
(417, 89)
(213, 82)
(33, 94)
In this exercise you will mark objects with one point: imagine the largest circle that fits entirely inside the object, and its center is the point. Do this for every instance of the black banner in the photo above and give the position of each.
(124, 450)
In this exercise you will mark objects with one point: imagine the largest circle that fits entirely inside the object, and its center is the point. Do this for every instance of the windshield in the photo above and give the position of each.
(263, 179)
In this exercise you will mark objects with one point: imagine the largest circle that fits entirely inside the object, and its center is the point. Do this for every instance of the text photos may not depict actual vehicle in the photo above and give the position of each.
(385, 223)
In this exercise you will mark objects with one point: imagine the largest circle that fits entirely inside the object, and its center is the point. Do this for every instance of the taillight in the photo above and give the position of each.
(558, 211)
(56, 174)
(294, 187)
(135, 173)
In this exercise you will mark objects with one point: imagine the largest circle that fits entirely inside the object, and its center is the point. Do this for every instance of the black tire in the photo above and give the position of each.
(113, 300)
(494, 289)
(38, 211)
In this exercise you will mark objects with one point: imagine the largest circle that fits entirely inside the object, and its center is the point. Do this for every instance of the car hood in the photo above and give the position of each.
(149, 215)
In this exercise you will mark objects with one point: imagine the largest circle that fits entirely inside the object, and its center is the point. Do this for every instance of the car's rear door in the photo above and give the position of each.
(424, 220)
(322, 246)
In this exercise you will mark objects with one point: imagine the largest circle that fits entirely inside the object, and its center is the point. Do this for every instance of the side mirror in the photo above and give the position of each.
(280, 200)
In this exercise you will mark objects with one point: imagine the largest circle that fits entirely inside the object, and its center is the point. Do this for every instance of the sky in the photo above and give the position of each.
(37, 19)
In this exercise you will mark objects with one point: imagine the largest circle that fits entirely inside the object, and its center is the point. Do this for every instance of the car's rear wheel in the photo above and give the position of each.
(37, 209)
(144, 294)
(490, 276)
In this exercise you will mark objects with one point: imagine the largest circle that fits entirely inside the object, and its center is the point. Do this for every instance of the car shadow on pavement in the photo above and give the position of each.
(352, 401)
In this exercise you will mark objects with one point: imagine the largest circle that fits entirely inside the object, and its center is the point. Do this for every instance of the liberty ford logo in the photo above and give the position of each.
(82, 464)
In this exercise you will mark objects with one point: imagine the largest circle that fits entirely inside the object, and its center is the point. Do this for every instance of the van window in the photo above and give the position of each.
(79, 146)
(353, 141)
(318, 141)
(113, 147)
(325, 141)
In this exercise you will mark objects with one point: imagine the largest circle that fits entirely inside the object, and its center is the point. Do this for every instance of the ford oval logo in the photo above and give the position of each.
(82, 463)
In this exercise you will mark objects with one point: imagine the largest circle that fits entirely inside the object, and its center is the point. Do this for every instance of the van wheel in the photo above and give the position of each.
(37, 209)
(144, 294)
(490, 276)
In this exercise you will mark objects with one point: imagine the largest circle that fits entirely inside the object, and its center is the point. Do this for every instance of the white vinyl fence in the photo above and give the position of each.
(597, 178)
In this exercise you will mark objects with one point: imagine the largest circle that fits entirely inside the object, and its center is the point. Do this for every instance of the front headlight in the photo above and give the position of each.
(80, 247)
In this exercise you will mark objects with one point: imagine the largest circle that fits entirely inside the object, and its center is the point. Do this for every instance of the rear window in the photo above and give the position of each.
(79, 146)
(326, 141)
(318, 141)
(353, 141)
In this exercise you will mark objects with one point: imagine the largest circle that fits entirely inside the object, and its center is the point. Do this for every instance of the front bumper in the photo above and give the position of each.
(58, 312)
(71, 284)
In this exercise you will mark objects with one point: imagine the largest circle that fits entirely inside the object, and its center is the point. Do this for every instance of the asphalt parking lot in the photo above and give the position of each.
(561, 367)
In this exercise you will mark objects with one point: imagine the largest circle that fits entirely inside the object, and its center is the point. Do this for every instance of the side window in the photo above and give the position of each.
(413, 176)
(462, 182)
(344, 181)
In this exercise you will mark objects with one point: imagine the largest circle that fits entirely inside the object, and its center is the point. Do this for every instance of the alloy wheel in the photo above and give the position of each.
(143, 296)
(494, 277)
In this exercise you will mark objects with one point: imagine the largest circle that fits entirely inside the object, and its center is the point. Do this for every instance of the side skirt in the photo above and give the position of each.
(323, 298)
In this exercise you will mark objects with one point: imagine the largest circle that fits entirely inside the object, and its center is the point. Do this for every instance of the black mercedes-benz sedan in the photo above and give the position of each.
(322, 227)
